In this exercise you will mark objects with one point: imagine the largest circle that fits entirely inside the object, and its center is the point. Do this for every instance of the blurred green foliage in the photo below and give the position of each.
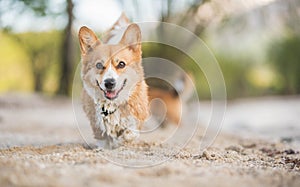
(38, 6)
(234, 71)
(188, 65)
(30, 57)
(15, 71)
(284, 55)
(30, 61)
(50, 53)
(43, 51)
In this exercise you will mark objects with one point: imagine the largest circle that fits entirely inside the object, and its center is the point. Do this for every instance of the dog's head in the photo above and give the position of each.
(111, 71)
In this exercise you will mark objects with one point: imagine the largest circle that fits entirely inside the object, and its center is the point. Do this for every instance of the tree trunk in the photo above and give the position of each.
(38, 86)
(36, 71)
(67, 53)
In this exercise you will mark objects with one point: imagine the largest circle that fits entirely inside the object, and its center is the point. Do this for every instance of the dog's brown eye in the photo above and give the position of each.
(121, 65)
(99, 65)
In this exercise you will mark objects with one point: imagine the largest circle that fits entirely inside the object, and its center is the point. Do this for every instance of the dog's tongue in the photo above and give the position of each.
(111, 94)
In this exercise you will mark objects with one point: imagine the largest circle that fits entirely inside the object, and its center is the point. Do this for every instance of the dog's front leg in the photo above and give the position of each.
(103, 144)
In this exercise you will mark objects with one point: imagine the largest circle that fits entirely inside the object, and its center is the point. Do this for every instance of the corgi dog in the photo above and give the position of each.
(115, 94)
(174, 98)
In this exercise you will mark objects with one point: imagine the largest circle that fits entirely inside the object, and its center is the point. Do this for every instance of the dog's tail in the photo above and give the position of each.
(114, 34)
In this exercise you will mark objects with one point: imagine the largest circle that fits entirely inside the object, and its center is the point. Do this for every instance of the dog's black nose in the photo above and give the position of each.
(109, 83)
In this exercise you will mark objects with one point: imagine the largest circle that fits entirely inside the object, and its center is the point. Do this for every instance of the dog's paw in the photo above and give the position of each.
(109, 143)
(130, 135)
(102, 144)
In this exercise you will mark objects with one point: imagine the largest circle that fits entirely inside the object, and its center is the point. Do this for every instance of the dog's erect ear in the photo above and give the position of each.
(87, 39)
(122, 21)
(132, 37)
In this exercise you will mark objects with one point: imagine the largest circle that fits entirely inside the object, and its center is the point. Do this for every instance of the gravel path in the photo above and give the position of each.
(41, 146)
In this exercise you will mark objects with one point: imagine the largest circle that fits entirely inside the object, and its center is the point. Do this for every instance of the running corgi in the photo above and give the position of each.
(115, 95)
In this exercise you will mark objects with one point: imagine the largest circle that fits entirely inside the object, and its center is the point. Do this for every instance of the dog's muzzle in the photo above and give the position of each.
(109, 92)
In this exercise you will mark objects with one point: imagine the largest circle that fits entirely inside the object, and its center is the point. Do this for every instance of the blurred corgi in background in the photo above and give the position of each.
(174, 98)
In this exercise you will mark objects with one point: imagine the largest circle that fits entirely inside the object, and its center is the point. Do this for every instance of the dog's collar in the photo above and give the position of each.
(105, 112)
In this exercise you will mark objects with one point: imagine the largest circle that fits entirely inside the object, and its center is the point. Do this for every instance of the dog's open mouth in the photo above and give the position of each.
(112, 94)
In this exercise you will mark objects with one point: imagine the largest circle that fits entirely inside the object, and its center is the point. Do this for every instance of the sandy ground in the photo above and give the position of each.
(40, 145)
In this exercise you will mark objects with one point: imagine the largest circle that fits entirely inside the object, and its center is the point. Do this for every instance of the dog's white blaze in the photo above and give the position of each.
(109, 74)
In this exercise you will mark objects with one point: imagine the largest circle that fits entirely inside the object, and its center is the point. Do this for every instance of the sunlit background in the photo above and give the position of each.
(256, 42)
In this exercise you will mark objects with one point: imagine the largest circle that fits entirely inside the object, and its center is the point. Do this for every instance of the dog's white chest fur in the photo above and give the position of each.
(115, 123)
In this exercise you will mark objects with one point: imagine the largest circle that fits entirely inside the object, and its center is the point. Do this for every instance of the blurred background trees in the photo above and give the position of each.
(256, 43)
(51, 54)
(284, 56)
